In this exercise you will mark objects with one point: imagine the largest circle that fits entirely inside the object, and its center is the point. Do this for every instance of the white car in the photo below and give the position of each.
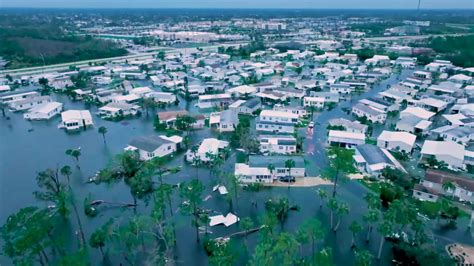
(311, 125)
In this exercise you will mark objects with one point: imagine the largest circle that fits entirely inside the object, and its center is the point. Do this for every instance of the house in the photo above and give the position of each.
(44, 112)
(208, 147)
(149, 147)
(413, 125)
(12, 96)
(120, 109)
(373, 160)
(461, 135)
(271, 96)
(329, 97)
(225, 121)
(247, 107)
(169, 118)
(372, 114)
(417, 112)
(214, 100)
(276, 121)
(162, 97)
(349, 126)
(257, 170)
(316, 102)
(28, 103)
(378, 60)
(396, 141)
(344, 89)
(129, 98)
(345, 139)
(297, 110)
(433, 185)
(242, 91)
(448, 152)
(379, 104)
(432, 104)
(277, 144)
(75, 120)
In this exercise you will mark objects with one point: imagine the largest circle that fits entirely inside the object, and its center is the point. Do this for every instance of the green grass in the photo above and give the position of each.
(372, 185)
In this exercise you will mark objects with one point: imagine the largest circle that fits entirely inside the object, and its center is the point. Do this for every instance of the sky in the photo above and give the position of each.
(335, 4)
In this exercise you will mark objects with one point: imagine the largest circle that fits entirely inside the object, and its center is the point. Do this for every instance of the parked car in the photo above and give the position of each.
(311, 124)
(287, 179)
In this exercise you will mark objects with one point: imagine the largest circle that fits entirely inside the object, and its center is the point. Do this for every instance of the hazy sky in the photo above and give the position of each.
(375, 4)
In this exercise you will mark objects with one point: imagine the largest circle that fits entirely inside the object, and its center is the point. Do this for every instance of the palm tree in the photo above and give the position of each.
(449, 187)
(322, 195)
(342, 209)
(355, 228)
(363, 258)
(332, 205)
(2, 107)
(102, 130)
(66, 171)
(313, 231)
(75, 153)
(370, 218)
(246, 224)
(384, 229)
(271, 168)
(290, 163)
(340, 163)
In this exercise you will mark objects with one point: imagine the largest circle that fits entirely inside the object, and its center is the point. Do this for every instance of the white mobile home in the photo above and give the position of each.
(76, 119)
(44, 112)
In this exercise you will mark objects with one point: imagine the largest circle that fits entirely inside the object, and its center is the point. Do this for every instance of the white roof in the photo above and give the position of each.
(424, 124)
(214, 96)
(227, 220)
(315, 99)
(433, 102)
(4, 88)
(141, 90)
(453, 149)
(399, 136)
(242, 169)
(418, 112)
(46, 108)
(237, 103)
(346, 134)
(76, 115)
(460, 77)
(174, 139)
(211, 145)
(274, 113)
(244, 89)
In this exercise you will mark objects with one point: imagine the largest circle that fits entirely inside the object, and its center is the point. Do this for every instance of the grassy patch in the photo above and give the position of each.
(372, 185)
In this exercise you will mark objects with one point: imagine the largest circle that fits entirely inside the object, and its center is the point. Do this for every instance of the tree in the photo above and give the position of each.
(385, 228)
(43, 82)
(371, 217)
(322, 195)
(285, 249)
(52, 191)
(233, 183)
(313, 231)
(340, 163)
(26, 236)
(185, 123)
(449, 187)
(3, 106)
(221, 253)
(363, 258)
(99, 237)
(246, 224)
(147, 104)
(342, 209)
(271, 168)
(102, 130)
(161, 55)
(289, 164)
(332, 204)
(67, 172)
(355, 228)
(75, 153)
(191, 193)
(278, 208)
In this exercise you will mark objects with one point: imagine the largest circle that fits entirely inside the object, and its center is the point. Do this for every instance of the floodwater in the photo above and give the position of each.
(28, 147)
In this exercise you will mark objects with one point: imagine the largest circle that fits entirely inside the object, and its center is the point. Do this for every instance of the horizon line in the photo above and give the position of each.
(246, 8)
